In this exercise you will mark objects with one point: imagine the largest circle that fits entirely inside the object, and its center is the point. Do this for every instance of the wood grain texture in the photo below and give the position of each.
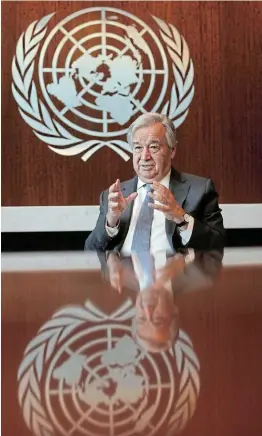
(221, 137)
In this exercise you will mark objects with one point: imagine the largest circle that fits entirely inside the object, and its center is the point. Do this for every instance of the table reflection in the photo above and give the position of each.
(129, 348)
(156, 279)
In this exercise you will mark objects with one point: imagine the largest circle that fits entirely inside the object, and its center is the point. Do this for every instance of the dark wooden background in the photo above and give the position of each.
(221, 137)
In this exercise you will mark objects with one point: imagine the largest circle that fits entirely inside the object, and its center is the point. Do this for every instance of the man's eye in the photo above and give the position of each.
(138, 148)
(141, 320)
(154, 148)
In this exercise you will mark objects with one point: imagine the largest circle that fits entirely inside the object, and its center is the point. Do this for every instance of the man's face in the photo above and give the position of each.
(151, 155)
(155, 312)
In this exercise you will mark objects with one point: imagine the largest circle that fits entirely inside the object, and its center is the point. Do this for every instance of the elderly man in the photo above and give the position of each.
(159, 209)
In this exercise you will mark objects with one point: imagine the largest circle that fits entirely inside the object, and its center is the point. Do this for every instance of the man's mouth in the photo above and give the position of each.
(147, 167)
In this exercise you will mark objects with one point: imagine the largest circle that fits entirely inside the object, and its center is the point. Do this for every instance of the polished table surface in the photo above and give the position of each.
(94, 345)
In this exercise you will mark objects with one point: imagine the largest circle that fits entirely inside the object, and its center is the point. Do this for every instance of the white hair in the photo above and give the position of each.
(149, 119)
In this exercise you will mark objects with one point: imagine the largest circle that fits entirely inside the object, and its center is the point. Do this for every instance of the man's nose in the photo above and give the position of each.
(146, 154)
(149, 310)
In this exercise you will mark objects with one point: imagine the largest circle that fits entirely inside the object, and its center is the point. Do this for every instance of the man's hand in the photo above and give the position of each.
(115, 271)
(172, 269)
(168, 204)
(117, 204)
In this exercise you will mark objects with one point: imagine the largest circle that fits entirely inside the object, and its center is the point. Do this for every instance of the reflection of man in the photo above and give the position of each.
(159, 209)
(156, 323)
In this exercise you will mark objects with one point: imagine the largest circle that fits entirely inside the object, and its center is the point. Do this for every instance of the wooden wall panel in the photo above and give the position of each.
(221, 137)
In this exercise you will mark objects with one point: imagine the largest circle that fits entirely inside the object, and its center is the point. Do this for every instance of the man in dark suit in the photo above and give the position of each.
(159, 209)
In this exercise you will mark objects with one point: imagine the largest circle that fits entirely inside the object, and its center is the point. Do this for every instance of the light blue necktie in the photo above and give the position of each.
(141, 238)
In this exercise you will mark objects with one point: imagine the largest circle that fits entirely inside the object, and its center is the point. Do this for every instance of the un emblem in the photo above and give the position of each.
(97, 70)
(84, 374)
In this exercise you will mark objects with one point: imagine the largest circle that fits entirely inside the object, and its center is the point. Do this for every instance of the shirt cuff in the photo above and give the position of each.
(112, 231)
(186, 234)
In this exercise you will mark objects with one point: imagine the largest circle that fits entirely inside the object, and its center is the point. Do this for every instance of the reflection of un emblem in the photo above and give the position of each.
(84, 374)
(107, 385)
(98, 70)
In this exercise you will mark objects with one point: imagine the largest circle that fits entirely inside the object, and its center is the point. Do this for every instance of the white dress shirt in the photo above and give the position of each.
(160, 260)
(158, 238)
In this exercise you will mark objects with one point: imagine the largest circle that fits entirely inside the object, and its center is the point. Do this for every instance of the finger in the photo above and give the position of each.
(115, 187)
(161, 207)
(117, 184)
(113, 195)
(160, 198)
(159, 188)
(113, 205)
(116, 283)
(113, 282)
(119, 287)
(131, 197)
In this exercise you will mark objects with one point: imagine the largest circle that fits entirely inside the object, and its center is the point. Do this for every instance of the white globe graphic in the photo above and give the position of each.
(100, 67)
(100, 383)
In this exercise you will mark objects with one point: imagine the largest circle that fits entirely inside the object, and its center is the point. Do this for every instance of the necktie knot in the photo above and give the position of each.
(148, 187)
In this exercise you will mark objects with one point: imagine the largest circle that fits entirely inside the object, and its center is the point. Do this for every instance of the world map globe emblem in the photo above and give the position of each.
(99, 68)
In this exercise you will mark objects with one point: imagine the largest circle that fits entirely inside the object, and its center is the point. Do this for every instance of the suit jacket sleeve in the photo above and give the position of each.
(208, 231)
(98, 238)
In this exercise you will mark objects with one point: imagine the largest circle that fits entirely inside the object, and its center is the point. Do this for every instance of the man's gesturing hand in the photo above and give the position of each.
(167, 203)
(117, 204)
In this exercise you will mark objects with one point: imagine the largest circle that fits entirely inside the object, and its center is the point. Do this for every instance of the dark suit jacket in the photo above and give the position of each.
(197, 196)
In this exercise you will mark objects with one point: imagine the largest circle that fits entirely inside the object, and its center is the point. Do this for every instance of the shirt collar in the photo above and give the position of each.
(165, 181)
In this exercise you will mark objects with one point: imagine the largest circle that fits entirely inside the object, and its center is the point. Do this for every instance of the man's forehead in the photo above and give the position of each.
(155, 132)
(146, 138)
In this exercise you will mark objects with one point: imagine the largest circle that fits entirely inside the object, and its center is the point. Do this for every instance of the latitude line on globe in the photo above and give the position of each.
(56, 391)
(72, 39)
(163, 385)
(58, 70)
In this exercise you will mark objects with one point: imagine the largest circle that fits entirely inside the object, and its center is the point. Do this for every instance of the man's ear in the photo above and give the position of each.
(173, 152)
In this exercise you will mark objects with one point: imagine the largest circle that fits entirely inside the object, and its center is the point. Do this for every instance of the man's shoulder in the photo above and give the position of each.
(128, 182)
(197, 183)
(194, 179)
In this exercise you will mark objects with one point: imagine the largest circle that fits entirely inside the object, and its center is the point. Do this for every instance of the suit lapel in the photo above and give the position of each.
(179, 187)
